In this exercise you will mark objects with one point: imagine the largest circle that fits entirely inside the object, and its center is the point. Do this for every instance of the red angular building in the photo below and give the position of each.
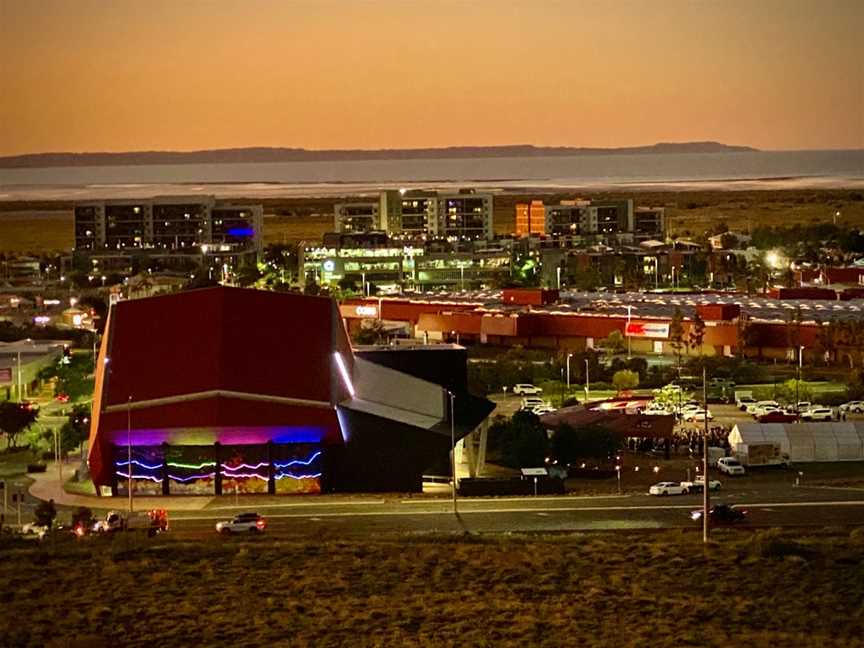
(223, 389)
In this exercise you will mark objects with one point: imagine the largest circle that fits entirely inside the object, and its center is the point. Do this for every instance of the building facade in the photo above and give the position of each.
(175, 232)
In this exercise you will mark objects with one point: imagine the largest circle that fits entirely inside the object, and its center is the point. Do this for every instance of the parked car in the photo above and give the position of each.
(698, 484)
(730, 466)
(803, 406)
(818, 414)
(526, 389)
(722, 514)
(753, 408)
(698, 415)
(855, 406)
(777, 416)
(530, 402)
(243, 523)
(666, 488)
(33, 529)
(540, 410)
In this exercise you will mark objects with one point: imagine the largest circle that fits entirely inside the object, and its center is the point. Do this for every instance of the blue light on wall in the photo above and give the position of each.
(241, 232)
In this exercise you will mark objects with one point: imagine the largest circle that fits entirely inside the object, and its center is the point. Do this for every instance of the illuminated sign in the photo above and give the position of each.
(6, 374)
(647, 330)
(329, 266)
(366, 311)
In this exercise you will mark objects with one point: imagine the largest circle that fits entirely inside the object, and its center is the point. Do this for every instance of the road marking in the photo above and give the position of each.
(536, 498)
(294, 505)
(569, 509)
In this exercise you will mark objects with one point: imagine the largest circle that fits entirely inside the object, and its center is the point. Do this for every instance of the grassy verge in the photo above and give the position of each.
(765, 589)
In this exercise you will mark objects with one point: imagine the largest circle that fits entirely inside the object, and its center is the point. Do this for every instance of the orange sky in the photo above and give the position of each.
(114, 75)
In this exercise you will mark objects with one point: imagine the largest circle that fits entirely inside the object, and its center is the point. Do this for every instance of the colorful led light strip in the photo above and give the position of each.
(139, 463)
(298, 477)
(191, 477)
(298, 462)
(247, 476)
(126, 476)
(248, 466)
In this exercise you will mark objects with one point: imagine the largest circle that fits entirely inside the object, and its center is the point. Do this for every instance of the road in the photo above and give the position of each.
(806, 506)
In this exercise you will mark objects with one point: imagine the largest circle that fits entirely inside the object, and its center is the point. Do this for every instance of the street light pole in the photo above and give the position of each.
(453, 449)
(587, 385)
(20, 382)
(705, 496)
(569, 355)
(129, 449)
(798, 382)
(627, 331)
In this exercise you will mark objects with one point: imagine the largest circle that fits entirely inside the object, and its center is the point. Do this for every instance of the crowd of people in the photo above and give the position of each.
(684, 441)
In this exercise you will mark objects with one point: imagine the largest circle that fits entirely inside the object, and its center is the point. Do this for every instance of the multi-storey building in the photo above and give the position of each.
(357, 217)
(464, 215)
(583, 221)
(391, 263)
(180, 233)
(530, 218)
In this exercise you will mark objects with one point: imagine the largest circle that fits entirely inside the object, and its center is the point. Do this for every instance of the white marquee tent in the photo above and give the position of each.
(803, 441)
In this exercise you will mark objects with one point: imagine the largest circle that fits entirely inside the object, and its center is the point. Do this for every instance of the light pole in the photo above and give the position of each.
(627, 331)
(20, 395)
(798, 382)
(129, 450)
(569, 355)
(363, 279)
(453, 449)
(705, 496)
(558, 272)
(587, 385)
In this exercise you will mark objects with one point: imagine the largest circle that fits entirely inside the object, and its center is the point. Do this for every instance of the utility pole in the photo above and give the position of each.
(453, 449)
(129, 450)
(705, 496)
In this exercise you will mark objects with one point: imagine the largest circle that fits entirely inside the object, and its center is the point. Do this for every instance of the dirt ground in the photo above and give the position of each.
(647, 589)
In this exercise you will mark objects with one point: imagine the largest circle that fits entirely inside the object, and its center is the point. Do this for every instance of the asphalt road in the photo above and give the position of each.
(806, 506)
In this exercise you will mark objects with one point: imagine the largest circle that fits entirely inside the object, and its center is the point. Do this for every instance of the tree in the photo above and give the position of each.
(625, 380)
(676, 335)
(14, 419)
(74, 379)
(372, 334)
(45, 513)
(569, 444)
(523, 441)
(76, 430)
(696, 335)
(614, 343)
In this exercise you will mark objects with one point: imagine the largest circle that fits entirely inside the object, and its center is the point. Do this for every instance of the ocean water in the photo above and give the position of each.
(768, 169)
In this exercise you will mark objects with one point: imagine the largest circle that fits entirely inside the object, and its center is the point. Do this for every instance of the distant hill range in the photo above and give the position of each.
(264, 154)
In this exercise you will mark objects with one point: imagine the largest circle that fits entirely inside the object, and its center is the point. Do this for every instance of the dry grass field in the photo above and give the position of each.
(768, 589)
(42, 227)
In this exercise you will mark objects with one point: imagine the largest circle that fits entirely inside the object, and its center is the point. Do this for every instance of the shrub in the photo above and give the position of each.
(772, 544)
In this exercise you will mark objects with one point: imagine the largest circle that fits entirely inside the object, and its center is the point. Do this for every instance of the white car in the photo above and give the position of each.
(540, 410)
(698, 484)
(818, 414)
(853, 406)
(730, 466)
(530, 402)
(752, 408)
(33, 529)
(526, 389)
(666, 488)
(698, 415)
(654, 411)
(765, 409)
(243, 523)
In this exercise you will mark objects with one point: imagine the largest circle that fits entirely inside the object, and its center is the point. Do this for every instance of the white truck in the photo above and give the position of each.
(743, 398)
